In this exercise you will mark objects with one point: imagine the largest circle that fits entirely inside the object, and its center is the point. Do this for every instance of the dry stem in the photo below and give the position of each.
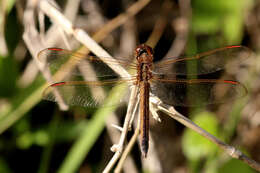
(232, 151)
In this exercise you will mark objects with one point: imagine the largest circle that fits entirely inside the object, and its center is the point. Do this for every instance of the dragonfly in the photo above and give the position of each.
(169, 79)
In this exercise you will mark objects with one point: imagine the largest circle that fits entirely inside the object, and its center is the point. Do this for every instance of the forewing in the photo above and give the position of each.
(70, 63)
(204, 63)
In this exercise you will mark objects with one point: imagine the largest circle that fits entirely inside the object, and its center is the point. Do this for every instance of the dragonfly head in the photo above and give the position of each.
(144, 53)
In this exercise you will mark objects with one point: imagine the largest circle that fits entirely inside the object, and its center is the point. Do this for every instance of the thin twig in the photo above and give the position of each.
(29, 74)
(160, 24)
(3, 45)
(119, 20)
(181, 27)
(232, 151)
(71, 9)
(128, 148)
(119, 147)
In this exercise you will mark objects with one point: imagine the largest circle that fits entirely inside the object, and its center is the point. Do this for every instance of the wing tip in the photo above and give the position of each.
(57, 84)
(231, 82)
(50, 88)
(234, 46)
(55, 49)
(239, 46)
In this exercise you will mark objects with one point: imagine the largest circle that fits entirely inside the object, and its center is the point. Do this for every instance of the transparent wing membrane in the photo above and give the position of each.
(196, 92)
(81, 93)
(204, 63)
(70, 62)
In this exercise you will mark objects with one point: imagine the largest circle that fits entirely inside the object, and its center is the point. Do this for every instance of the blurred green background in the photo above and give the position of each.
(37, 137)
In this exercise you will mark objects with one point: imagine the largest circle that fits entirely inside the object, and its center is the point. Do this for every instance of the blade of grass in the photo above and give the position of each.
(95, 126)
(46, 156)
(21, 104)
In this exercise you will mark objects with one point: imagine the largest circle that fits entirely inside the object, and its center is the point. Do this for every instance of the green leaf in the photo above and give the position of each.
(222, 16)
(196, 146)
(233, 28)
(235, 165)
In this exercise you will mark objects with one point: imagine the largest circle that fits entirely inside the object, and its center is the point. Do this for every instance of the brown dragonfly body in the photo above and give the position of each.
(156, 78)
(144, 57)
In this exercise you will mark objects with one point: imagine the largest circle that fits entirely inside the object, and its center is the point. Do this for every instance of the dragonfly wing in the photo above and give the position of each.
(81, 93)
(86, 77)
(70, 63)
(197, 92)
(208, 62)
